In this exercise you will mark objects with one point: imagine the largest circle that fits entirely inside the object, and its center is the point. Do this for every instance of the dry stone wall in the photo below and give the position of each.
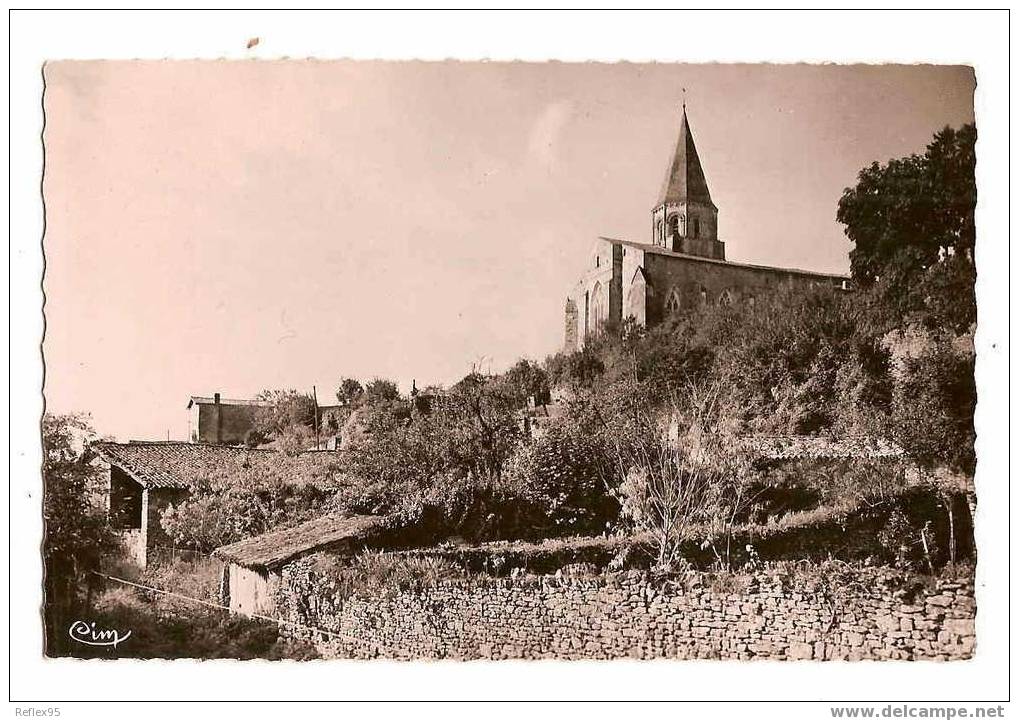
(880, 614)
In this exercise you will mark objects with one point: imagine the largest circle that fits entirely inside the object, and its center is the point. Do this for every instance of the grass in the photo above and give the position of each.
(167, 627)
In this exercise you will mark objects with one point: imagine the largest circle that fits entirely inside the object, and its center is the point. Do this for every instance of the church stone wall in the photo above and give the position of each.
(698, 281)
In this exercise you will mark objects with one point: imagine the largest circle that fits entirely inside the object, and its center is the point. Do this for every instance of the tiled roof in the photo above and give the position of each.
(821, 447)
(158, 464)
(205, 400)
(658, 250)
(276, 547)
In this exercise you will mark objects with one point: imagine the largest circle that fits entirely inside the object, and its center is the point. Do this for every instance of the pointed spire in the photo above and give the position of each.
(684, 181)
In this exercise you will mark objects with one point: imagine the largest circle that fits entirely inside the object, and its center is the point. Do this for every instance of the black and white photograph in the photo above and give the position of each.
(556, 364)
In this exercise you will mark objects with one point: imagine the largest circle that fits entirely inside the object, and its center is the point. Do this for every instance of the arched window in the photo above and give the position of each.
(704, 296)
(672, 303)
(661, 231)
(725, 298)
(673, 225)
(587, 312)
(598, 307)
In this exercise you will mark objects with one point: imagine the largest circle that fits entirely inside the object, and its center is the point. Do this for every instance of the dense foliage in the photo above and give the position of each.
(912, 224)
(250, 495)
(287, 422)
(645, 440)
(76, 535)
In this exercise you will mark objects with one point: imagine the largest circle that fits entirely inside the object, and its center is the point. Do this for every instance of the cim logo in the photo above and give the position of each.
(87, 633)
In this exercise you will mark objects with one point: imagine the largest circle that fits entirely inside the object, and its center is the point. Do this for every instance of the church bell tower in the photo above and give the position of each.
(685, 220)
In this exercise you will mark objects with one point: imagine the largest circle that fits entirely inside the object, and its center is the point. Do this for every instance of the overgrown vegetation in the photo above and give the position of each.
(249, 495)
(76, 533)
(647, 442)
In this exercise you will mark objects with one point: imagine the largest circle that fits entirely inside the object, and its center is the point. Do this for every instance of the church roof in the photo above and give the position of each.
(658, 250)
(684, 180)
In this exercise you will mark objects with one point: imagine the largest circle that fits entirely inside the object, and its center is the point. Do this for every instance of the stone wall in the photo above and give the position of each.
(875, 614)
(224, 422)
(688, 277)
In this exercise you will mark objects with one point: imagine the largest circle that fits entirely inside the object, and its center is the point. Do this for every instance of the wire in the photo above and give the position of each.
(213, 604)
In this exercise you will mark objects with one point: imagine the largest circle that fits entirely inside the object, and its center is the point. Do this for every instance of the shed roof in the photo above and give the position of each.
(173, 464)
(275, 548)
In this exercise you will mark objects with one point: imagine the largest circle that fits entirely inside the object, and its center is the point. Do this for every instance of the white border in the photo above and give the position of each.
(979, 39)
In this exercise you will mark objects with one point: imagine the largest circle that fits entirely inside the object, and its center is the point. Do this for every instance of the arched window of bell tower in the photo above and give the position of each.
(673, 225)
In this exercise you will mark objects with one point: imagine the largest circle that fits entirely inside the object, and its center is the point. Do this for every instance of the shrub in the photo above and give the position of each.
(566, 472)
(380, 574)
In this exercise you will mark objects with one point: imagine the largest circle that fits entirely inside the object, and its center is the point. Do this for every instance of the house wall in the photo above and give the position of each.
(864, 614)
(124, 507)
(252, 592)
(125, 500)
(222, 423)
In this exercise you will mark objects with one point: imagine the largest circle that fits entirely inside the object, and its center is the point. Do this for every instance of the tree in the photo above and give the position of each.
(526, 380)
(288, 419)
(933, 406)
(912, 215)
(441, 467)
(76, 534)
(563, 472)
(349, 392)
(381, 390)
(663, 493)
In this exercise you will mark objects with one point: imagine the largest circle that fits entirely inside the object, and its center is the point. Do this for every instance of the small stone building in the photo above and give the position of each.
(221, 420)
(683, 267)
(251, 574)
(145, 477)
(228, 420)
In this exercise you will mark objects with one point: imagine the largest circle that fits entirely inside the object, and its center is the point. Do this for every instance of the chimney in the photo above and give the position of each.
(217, 420)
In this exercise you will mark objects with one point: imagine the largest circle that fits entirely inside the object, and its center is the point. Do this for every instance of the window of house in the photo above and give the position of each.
(697, 227)
(673, 225)
(704, 296)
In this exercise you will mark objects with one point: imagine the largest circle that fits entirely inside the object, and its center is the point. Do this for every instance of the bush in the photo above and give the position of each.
(380, 574)
(566, 473)
(250, 495)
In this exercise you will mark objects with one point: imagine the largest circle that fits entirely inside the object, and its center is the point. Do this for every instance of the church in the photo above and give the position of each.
(681, 269)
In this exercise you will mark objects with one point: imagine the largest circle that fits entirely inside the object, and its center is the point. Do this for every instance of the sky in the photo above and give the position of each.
(234, 226)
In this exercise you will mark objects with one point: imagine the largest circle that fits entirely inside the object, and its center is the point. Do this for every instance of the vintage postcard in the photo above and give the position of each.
(368, 360)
